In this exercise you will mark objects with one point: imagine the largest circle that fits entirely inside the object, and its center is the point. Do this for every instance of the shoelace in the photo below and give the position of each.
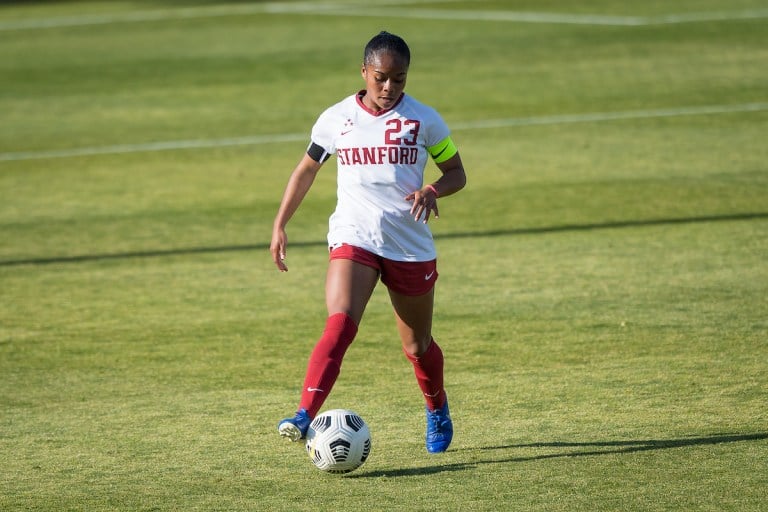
(438, 420)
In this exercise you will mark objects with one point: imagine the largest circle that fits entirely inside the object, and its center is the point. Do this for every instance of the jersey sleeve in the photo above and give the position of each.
(438, 138)
(322, 144)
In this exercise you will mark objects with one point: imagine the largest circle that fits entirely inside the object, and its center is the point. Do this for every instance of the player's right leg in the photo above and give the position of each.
(349, 286)
(295, 428)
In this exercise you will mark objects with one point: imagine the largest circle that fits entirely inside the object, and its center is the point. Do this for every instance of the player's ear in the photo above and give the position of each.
(362, 71)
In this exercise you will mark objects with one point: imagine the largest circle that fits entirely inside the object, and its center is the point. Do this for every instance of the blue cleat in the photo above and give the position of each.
(295, 428)
(439, 429)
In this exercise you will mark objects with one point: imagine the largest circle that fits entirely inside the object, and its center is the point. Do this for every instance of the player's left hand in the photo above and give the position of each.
(424, 203)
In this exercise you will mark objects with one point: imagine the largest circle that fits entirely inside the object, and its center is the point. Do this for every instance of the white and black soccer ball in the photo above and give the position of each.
(338, 441)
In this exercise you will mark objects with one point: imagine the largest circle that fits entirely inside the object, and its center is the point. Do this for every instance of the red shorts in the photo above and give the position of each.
(405, 277)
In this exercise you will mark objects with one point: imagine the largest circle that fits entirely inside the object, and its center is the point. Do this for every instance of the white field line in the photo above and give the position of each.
(146, 147)
(396, 9)
(187, 13)
(611, 116)
(469, 125)
(693, 17)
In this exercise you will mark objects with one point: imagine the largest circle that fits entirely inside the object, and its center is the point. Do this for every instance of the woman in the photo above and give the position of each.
(382, 139)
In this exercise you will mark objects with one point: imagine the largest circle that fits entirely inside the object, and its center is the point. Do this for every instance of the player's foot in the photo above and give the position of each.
(439, 429)
(295, 428)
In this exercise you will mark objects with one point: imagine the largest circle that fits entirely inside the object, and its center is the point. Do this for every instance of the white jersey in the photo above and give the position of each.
(381, 158)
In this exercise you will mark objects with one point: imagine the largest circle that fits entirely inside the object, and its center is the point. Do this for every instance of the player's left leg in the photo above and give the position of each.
(414, 324)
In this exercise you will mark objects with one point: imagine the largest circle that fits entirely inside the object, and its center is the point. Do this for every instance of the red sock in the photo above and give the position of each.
(325, 361)
(429, 374)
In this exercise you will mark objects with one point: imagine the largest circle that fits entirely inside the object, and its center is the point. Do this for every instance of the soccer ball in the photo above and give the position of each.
(338, 441)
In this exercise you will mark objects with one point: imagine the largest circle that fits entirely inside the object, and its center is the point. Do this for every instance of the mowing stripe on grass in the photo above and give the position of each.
(467, 125)
(554, 17)
(543, 230)
(361, 9)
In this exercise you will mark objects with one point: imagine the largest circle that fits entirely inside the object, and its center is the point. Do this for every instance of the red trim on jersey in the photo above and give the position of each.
(376, 113)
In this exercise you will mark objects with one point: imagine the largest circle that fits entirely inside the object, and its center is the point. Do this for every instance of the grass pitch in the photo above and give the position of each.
(602, 298)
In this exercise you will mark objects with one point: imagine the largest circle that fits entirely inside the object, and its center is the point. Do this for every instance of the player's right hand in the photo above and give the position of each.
(277, 248)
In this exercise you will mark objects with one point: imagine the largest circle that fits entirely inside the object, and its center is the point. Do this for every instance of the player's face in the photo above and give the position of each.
(384, 80)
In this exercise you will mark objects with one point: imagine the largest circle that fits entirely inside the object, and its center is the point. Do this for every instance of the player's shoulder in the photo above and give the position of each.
(335, 115)
(341, 106)
(412, 102)
(412, 107)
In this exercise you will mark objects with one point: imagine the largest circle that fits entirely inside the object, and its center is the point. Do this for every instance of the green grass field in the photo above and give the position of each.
(603, 299)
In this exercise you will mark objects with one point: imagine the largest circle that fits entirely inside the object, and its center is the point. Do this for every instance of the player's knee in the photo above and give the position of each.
(416, 346)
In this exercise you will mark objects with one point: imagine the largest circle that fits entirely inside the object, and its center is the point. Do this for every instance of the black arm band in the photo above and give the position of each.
(317, 153)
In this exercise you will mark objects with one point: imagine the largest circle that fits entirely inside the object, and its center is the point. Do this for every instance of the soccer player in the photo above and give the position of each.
(382, 139)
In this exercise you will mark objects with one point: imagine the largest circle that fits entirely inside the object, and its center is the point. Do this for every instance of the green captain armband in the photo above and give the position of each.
(443, 150)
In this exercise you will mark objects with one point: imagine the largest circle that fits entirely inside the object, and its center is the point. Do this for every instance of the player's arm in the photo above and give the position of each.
(446, 156)
(453, 179)
(299, 184)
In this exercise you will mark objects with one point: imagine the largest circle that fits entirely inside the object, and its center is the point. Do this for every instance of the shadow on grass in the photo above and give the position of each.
(587, 449)
(84, 258)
